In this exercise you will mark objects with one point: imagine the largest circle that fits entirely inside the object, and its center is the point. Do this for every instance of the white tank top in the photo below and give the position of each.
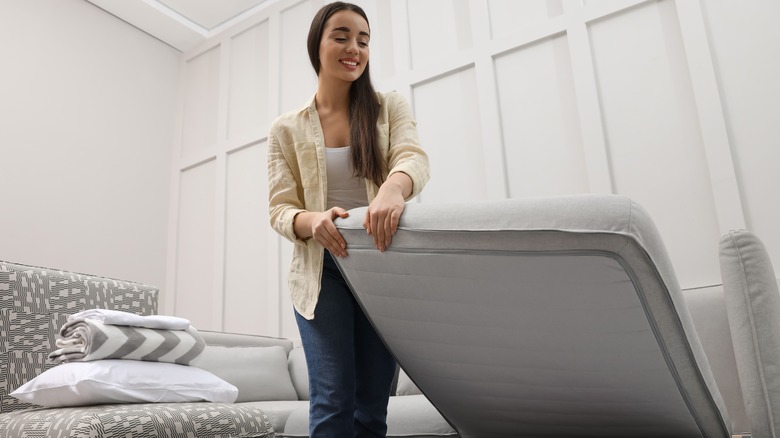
(344, 190)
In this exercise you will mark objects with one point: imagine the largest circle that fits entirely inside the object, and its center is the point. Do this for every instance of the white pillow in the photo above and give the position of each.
(124, 381)
(259, 373)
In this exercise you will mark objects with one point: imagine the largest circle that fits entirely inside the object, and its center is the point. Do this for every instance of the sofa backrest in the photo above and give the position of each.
(538, 317)
(35, 302)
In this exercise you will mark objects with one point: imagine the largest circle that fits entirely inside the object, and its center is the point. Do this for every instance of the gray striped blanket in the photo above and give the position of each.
(84, 340)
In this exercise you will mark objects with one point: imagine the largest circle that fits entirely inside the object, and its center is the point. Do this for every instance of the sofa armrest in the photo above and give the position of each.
(753, 308)
(299, 372)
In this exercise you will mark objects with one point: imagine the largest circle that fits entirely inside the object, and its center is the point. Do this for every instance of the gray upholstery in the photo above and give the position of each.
(539, 317)
(409, 416)
(405, 385)
(35, 302)
(708, 310)
(753, 306)
(170, 420)
(296, 363)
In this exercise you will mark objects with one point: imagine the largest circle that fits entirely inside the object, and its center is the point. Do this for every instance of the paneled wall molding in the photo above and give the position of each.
(711, 120)
(226, 147)
(591, 124)
(276, 265)
(512, 99)
(220, 207)
(273, 261)
(490, 118)
(196, 159)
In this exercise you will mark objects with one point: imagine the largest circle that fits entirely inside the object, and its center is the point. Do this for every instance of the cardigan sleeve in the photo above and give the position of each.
(284, 201)
(405, 154)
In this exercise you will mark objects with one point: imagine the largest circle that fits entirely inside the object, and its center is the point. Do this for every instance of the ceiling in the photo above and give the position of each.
(182, 24)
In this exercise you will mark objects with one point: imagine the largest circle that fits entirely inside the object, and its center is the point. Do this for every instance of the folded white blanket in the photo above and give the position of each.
(87, 339)
(116, 317)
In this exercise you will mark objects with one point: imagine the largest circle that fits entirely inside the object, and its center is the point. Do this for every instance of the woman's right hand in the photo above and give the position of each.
(325, 232)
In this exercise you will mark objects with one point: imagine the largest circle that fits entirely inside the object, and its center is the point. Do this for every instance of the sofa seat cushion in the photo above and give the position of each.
(171, 420)
(278, 411)
(408, 416)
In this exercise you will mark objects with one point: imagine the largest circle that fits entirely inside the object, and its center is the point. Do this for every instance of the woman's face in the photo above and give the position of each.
(344, 46)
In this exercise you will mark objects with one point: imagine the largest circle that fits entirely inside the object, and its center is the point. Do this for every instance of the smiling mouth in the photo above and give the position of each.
(349, 63)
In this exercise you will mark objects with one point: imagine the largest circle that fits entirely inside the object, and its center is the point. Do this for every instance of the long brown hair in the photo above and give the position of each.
(363, 104)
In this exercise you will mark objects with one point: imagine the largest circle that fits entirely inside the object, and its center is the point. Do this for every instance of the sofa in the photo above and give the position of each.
(269, 373)
(557, 317)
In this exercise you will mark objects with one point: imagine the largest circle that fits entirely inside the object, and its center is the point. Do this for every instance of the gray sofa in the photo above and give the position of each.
(269, 373)
(556, 317)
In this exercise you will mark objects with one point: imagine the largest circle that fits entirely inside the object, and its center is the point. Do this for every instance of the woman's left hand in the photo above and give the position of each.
(385, 210)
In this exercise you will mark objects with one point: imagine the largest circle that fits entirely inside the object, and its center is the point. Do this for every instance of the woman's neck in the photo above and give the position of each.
(332, 97)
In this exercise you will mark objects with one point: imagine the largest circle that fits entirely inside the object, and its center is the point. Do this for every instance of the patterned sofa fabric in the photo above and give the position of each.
(35, 302)
(171, 420)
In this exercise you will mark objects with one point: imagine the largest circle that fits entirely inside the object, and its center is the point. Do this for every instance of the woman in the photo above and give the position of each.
(348, 147)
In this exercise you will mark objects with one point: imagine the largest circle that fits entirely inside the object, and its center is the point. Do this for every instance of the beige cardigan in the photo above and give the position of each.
(297, 180)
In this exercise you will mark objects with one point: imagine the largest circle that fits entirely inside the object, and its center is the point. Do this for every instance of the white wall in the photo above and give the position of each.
(745, 42)
(87, 111)
(673, 103)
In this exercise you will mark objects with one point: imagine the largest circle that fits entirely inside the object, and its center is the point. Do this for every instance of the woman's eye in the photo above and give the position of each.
(341, 40)
(363, 44)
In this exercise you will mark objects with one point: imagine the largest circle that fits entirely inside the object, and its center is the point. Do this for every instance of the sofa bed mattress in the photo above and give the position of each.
(538, 317)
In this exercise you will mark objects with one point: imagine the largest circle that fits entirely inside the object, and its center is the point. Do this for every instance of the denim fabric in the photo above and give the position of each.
(350, 370)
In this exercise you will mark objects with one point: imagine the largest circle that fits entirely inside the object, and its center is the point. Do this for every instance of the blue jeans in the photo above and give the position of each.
(350, 370)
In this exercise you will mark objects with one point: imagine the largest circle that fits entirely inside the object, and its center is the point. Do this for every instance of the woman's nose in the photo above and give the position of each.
(352, 48)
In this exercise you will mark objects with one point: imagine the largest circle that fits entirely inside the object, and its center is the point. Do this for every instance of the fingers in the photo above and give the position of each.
(382, 225)
(367, 222)
(378, 226)
(330, 238)
(340, 243)
(383, 216)
(392, 226)
(326, 233)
